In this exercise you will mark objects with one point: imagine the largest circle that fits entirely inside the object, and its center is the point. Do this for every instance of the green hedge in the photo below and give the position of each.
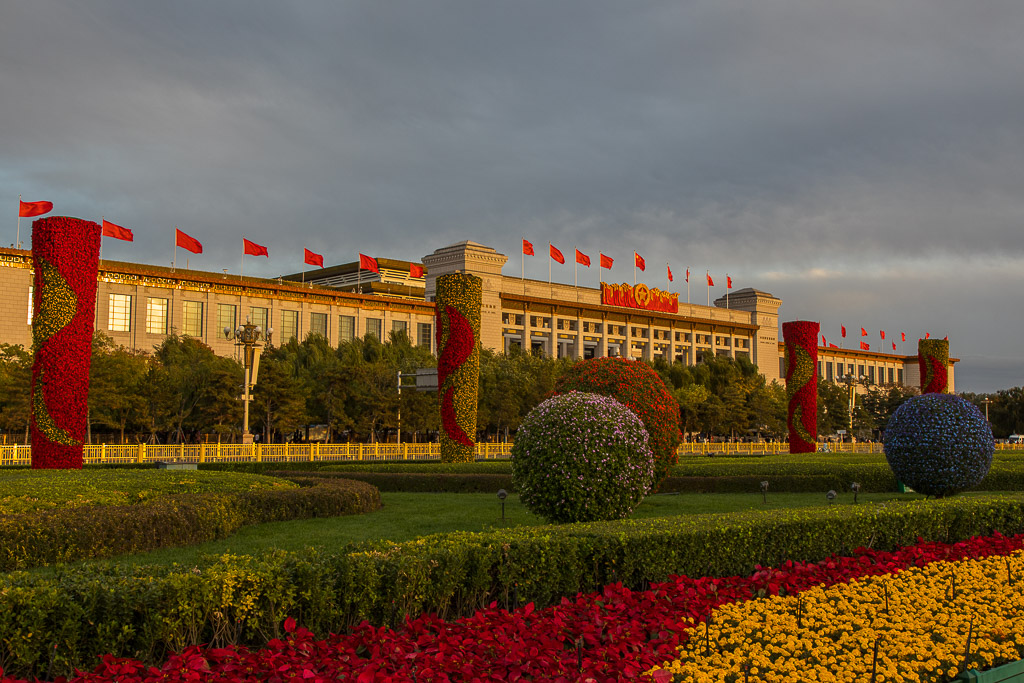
(405, 482)
(50, 624)
(47, 537)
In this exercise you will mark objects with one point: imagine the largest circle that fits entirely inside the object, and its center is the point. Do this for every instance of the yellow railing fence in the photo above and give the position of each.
(115, 454)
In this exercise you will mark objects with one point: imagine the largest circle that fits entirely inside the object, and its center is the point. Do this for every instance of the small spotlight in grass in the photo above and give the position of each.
(764, 491)
(502, 495)
(855, 487)
(831, 495)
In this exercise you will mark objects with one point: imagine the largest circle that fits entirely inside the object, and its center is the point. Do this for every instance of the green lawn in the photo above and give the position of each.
(408, 515)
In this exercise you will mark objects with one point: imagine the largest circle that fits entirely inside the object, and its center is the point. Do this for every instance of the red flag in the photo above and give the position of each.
(687, 274)
(30, 209)
(254, 249)
(313, 258)
(865, 346)
(527, 248)
(824, 342)
(882, 332)
(927, 335)
(415, 270)
(894, 346)
(555, 253)
(903, 336)
(185, 242)
(582, 258)
(728, 282)
(639, 261)
(606, 262)
(368, 263)
(116, 231)
(946, 338)
(832, 346)
(669, 269)
(863, 332)
(711, 283)
(844, 331)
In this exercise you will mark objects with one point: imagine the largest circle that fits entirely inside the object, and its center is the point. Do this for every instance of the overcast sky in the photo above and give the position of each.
(863, 161)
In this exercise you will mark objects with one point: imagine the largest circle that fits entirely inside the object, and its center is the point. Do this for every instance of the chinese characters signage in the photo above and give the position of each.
(639, 296)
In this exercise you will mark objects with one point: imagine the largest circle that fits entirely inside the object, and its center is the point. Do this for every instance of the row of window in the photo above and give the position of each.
(193, 315)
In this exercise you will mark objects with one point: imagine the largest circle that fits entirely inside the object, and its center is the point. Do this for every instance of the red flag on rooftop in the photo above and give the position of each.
(863, 332)
(687, 274)
(711, 283)
(639, 261)
(844, 331)
(117, 232)
(415, 270)
(582, 258)
(894, 346)
(368, 263)
(254, 249)
(864, 346)
(903, 336)
(728, 282)
(882, 332)
(555, 253)
(927, 335)
(527, 248)
(30, 209)
(824, 342)
(832, 346)
(606, 262)
(186, 242)
(313, 258)
(669, 269)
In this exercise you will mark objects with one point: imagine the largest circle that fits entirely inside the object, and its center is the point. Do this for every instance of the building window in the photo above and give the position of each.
(156, 316)
(890, 375)
(192, 318)
(828, 371)
(289, 326)
(120, 313)
(899, 376)
(399, 327)
(346, 328)
(423, 335)
(226, 317)
(871, 374)
(318, 324)
(258, 317)
(374, 327)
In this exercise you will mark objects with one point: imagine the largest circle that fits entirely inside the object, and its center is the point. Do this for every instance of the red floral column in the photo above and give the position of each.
(65, 253)
(933, 362)
(801, 339)
(458, 362)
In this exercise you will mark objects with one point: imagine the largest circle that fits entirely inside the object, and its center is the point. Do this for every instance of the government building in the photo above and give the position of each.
(138, 305)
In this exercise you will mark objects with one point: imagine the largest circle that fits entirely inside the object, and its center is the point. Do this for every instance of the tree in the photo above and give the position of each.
(279, 404)
(117, 385)
(15, 389)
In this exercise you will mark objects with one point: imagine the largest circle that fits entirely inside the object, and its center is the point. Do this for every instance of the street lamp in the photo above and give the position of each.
(986, 401)
(248, 336)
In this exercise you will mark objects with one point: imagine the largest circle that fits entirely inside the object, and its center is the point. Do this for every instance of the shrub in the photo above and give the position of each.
(141, 611)
(939, 444)
(581, 457)
(47, 537)
(639, 388)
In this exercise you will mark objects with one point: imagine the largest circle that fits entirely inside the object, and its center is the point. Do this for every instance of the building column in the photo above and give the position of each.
(649, 349)
(527, 340)
(579, 335)
(627, 353)
(603, 347)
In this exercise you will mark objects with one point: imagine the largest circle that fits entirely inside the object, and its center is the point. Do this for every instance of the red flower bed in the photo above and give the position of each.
(602, 637)
(65, 254)
(801, 339)
(457, 332)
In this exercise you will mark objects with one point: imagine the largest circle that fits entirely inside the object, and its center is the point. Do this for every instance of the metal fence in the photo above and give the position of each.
(113, 454)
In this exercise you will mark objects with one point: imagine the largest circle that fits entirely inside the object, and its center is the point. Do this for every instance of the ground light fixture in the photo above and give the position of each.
(855, 487)
(764, 491)
(502, 495)
(831, 495)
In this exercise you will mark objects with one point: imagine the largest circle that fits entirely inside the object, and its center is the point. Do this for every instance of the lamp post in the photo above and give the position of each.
(986, 402)
(248, 336)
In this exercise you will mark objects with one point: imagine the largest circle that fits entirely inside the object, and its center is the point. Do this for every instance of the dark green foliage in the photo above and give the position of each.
(49, 537)
(581, 457)
(144, 611)
(410, 482)
(939, 444)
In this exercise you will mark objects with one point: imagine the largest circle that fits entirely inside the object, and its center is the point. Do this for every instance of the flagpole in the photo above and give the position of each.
(708, 278)
(687, 285)
(17, 243)
(174, 261)
(668, 283)
(550, 290)
(522, 266)
(634, 269)
(727, 291)
(101, 239)
(241, 268)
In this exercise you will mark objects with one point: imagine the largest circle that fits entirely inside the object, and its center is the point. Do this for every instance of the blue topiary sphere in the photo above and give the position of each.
(939, 444)
(581, 457)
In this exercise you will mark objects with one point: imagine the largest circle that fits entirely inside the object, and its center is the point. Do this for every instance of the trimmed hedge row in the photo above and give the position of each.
(48, 537)
(50, 624)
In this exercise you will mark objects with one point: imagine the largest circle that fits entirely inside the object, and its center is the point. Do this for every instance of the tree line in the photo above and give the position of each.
(182, 391)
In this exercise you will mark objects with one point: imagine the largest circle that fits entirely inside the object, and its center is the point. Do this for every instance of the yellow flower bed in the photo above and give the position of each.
(829, 633)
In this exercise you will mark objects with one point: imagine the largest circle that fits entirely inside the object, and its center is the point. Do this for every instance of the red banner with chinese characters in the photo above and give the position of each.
(639, 296)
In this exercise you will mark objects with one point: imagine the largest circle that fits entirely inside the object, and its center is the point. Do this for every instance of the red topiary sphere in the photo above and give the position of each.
(639, 388)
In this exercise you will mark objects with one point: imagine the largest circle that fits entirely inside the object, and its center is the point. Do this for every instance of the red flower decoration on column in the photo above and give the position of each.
(933, 362)
(65, 253)
(458, 362)
(801, 339)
